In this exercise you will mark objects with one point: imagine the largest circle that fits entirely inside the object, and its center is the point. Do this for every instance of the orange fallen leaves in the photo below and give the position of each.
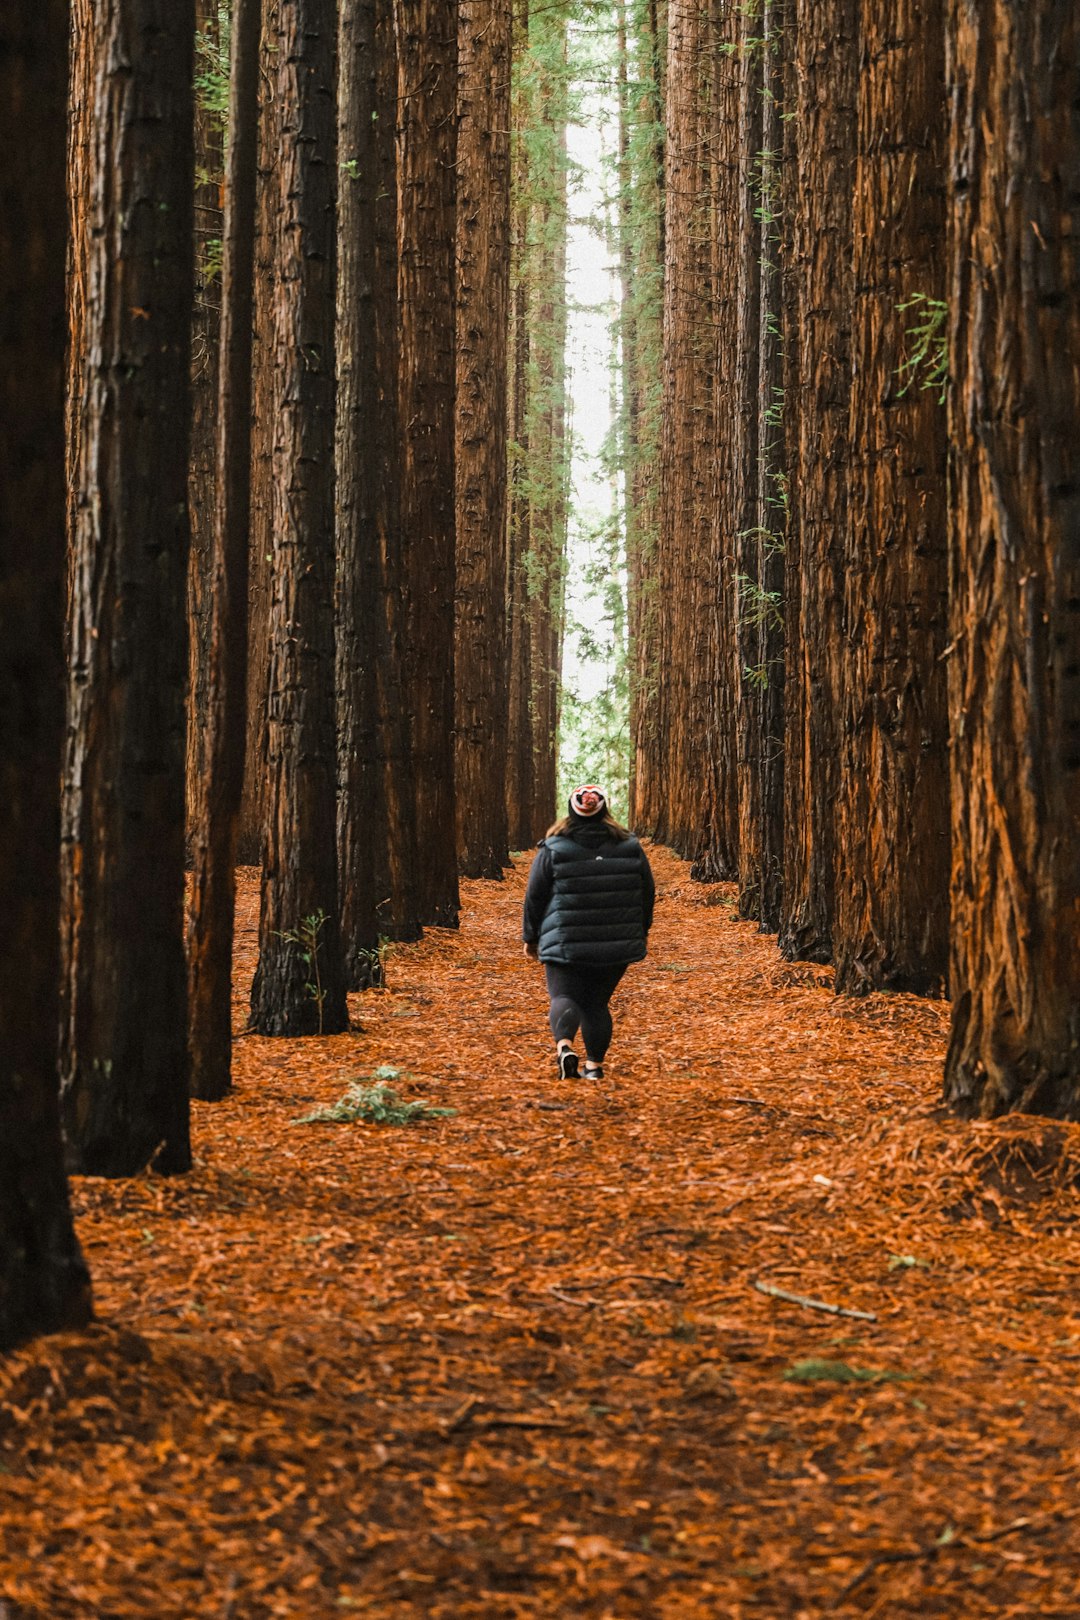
(511, 1364)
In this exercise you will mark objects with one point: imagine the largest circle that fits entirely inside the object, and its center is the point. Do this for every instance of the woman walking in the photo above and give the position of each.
(588, 911)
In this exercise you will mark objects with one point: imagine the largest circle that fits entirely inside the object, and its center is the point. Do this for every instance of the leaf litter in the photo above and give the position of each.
(511, 1363)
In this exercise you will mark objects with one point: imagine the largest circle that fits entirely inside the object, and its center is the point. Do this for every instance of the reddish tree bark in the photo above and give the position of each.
(43, 1281)
(1014, 653)
(212, 904)
(427, 91)
(125, 1061)
(483, 294)
(826, 75)
(892, 913)
(299, 985)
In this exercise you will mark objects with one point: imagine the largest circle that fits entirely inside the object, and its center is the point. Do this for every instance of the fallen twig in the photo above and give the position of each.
(916, 1555)
(811, 1304)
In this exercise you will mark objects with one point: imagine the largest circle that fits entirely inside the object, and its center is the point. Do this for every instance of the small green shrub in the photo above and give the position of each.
(374, 1102)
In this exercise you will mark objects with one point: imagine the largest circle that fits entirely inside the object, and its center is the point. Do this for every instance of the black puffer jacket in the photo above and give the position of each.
(590, 898)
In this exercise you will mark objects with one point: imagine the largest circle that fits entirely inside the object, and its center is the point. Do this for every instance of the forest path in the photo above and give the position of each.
(511, 1363)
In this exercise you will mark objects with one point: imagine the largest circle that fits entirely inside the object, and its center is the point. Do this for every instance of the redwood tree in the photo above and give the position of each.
(826, 76)
(125, 1086)
(892, 913)
(427, 32)
(43, 1282)
(483, 295)
(1014, 650)
(361, 818)
(213, 833)
(299, 985)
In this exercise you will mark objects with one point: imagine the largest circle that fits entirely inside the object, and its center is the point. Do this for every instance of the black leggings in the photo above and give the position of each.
(579, 999)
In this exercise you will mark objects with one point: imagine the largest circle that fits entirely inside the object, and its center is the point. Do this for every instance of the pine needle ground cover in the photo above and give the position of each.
(511, 1362)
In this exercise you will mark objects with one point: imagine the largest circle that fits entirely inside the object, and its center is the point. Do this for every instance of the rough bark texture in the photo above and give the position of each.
(361, 814)
(539, 467)
(772, 490)
(85, 20)
(213, 833)
(427, 92)
(483, 293)
(43, 1282)
(751, 610)
(717, 854)
(825, 43)
(892, 917)
(267, 227)
(1014, 662)
(678, 804)
(519, 772)
(125, 1047)
(205, 347)
(641, 221)
(292, 995)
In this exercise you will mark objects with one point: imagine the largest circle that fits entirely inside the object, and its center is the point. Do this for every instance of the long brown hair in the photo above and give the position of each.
(565, 823)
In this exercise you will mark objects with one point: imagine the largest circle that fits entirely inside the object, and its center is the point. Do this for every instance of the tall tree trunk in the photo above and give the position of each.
(643, 301)
(212, 905)
(267, 231)
(361, 810)
(893, 810)
(125, 1048)
(43, 1282)
(676, 548)
(772, 464)
(825, 43)
(751, 609)
(299, 985)
(483, 293)
(718, 848)
(205, 348)
(427, 91)
(398, 879)
(1014, 664)
(86, 17)
(519, 776)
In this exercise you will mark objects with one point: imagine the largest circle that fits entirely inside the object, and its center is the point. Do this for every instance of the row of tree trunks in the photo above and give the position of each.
(125, 1068)
(43, 1282)
(483, 321)
(907, 164)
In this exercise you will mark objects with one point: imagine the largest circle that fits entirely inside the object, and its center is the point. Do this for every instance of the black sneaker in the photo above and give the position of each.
(568, 1069)
(594, 1071)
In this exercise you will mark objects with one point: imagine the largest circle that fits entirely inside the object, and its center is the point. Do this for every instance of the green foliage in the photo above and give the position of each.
(760, 608)
(306, 939)
(212, 65)
(815, 1370)
(907, 1262)
(927, 360)
(374, 1102)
